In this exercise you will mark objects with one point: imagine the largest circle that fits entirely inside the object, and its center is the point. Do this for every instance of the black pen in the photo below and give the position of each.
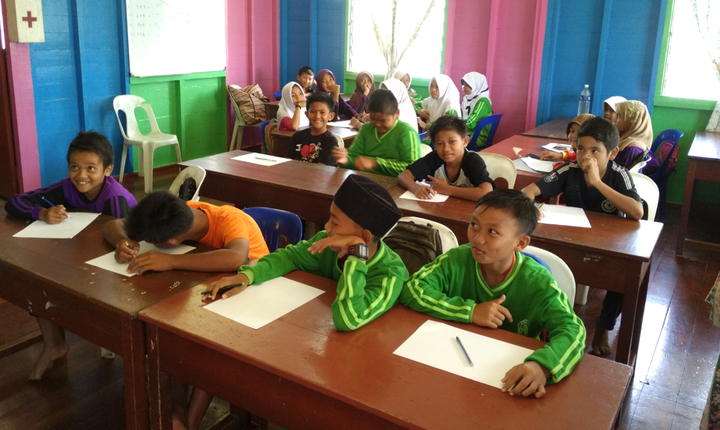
(223, 289)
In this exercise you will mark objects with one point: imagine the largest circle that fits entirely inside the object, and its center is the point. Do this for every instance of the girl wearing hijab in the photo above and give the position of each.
(636, 134)
(610, 107)
(572, 135)
(326, 82)
(406, 79)
(407, 112)
(476, 103)
(364, 87)
(291, 113)
(444, 100)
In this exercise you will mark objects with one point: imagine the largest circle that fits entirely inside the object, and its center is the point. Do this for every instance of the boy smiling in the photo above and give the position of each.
(315, 144)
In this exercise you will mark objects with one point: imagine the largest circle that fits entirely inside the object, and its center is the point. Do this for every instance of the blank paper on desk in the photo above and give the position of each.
(434, 344)
(109, 263)
(261, 159)
(564, 215)
(262, 304)
(64, 230)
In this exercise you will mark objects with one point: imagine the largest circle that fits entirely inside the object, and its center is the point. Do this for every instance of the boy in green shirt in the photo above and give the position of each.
(370, 275)
(384, 145)
(488, 282)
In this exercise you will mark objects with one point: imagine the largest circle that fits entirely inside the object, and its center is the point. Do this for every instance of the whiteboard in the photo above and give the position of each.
(172, 37)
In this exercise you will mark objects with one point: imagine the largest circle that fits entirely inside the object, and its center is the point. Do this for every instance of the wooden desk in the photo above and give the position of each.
(555, 129)
(528, 144)
(271, 109)
(49, 277)
(301, 373)
(282, 138)
(704, 165)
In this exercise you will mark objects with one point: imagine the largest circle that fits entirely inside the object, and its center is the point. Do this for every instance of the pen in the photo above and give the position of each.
(431, 183)
(223, 289)
(464, 351)
(50, 203)
(266, 159)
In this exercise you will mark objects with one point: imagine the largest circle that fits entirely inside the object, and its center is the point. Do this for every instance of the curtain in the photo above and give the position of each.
(707, 14)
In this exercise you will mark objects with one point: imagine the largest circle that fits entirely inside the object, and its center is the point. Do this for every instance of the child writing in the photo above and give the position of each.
(370, 275)
(326, 82)
(488, 282)
(451, 168)
(88, 187)
(364, 87)
(595, 183)
(444, 100)
(476, 104)
(305, 79)
(571, 131)
(384, 145)
(315, 144)
(291, 112)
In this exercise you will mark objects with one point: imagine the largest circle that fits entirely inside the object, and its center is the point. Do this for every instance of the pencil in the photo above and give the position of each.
(464, 351)
(51, 203)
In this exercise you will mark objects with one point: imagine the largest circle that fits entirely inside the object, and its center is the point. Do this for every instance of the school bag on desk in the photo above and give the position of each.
(416, 244)
(251, 102)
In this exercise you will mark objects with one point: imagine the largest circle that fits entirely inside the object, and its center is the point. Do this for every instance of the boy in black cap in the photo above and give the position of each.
(370, 275)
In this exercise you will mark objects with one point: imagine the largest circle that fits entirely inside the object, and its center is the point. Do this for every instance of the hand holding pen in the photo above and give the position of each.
(55, 214)
(226, 287)
(126, 250)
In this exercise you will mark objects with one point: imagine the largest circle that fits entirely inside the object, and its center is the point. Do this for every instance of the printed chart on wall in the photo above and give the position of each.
(172, 37)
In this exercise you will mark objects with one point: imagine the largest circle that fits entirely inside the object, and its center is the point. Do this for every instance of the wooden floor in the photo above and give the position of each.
(678, 352)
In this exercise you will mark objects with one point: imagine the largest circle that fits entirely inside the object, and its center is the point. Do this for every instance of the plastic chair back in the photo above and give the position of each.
(500, 166)
(637, 168)
(670, 134)
(238, 116)
(340, 141)
(275, 223)
(558, 268)
(660, 176)
(649, 192)
(449, 240)
(277, 95)
(195, 172)
(493, 121)
(425, 149)
(127, 104)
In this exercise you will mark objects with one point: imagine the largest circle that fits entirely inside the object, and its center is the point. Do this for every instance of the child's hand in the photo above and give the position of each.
(335, 90)
(439, 185)
(300, 104)
(355, 124)
(550, 155)
(491, 314)
(526, 379)
(412, 100)
(54, 215)
(365, 163)
(424, 114)
(152, 260)
(338, 243)
(412, 93)
(592, 173)
(366, 89)
(126, 250)
(340, 155)
(228, 280)
(424, 192)
(422, 124)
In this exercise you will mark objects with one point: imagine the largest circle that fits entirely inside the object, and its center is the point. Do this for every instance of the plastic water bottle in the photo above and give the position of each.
(585, 96)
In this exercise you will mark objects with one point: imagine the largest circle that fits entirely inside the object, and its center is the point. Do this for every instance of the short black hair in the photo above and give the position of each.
(448, 122)
(158, 217)
(514, 203)
(92, 141)
(601, 130)
(383, 101)
(306, 69)
(321, 97)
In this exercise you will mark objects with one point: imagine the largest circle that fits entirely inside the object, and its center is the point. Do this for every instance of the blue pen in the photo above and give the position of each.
(464, 351)
(50, 203)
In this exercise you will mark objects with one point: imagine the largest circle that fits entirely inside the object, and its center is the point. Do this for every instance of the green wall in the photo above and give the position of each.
(193, 107)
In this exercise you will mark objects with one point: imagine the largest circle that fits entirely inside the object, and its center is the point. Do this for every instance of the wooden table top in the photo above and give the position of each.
(360, 369)
(344, 132)
(555, 129)
(706, 144)
(526, 143)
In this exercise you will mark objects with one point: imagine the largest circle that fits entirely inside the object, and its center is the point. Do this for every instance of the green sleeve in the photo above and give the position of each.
(365, 293)
(284, 261)
(408, 143)
(418, 103)
(482, 109)
(358, 147)
(566, 337)
(452, 112)
(429, 291)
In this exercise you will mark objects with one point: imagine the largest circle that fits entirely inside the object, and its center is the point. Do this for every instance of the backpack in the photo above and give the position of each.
(268, 146)
(187, 189)
(251, 102)
(664, 151)
(416, 244)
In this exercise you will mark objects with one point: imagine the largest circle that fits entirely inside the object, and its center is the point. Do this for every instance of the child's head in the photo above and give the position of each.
(297, 94)
(501, 224)
(574, 126)
(610, 107)
(449, 135)
(434, 89)
(325, 80)
(364, 80)
(404, 77)
(320, 107)
(363, 208)
(305, 76)
(598, 138)
(90, 160)
(161, 218)
(467, 89)
(384, 110)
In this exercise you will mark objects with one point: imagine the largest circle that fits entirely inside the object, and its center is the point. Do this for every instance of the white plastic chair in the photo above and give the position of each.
(649, 192)
(499, 166)
(195, 172)
(637, 167)
(425, 149)
(240, 123)
(560, 271)
(146, 143)
(340, 141)
(449, 241)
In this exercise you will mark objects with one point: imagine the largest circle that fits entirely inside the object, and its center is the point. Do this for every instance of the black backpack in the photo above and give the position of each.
(187, 189)
(416, 244)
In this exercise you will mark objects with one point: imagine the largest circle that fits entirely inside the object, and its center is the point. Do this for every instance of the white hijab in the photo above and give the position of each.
(399, 74)
(479, 86)
(448, 99)
(287, 107)
(614, 101)
(407, 111)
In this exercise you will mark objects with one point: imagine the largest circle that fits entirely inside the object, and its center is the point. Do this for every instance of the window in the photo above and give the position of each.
(688, 69)
(423, 59)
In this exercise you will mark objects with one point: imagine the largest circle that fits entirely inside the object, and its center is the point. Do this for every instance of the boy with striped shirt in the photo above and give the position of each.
(488, 282)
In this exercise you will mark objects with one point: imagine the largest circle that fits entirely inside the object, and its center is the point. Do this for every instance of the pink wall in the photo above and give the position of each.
(503, 40)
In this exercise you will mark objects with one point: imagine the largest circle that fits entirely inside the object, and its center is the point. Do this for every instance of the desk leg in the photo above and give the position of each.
(159, 384)
(135, 380)
(685, 211)
(636, 284)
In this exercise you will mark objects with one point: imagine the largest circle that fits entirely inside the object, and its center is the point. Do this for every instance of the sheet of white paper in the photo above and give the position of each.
(261, 159)
(437, 198)
(564, 215)
(557, 147)
(434, 344)
(538, 166)
(108, 262)
(345, 123)
(519, 165)
(262, 304)
(64, 230)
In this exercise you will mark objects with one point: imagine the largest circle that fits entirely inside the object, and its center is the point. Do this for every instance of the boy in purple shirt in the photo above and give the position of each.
(88, 187)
